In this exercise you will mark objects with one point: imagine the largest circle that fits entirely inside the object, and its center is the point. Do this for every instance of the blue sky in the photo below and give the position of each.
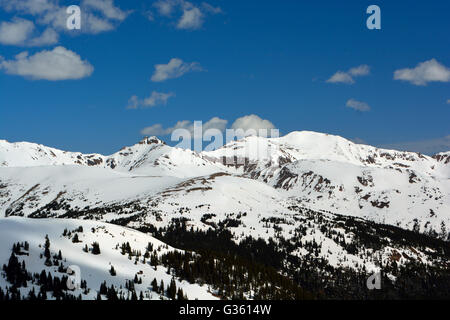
(273, 59)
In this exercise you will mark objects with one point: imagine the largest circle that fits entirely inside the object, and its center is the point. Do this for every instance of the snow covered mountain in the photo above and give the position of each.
(318, 171)
(319, 203)
(150, 156)
(331, 173)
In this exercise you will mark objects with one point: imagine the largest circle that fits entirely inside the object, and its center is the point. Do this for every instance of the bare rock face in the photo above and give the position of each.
(443, 157)
(151, 140)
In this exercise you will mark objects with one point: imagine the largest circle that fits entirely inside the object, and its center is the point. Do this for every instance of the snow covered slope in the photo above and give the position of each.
(93, 268)
(31, 188)
(384, 195)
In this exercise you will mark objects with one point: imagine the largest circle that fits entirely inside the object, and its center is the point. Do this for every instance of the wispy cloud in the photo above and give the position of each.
(362, 70)
(358, 105)
(423, 73)
(174, 69)
(54, 65)
(155, 99)
(348, 76)
(209, 8)
(188, 16)
(358, 140)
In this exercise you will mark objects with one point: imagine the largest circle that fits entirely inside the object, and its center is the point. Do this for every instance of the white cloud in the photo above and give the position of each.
(133, 102)
(424, 72)
(348, 76)
(90, 23)
(57, 19)
(358, 105)
(107, 8)
(174, 69)
(215, 123)
(97, 15)
(362, 70)
(48, 37)
(57, 64)
(341, 77)
(209, 8)
(165, 7)
(249, 122)
(149, 15)
(32, 7)
(252, 122)
(154, 130)
(22, 32)
(16, 32)
(95, 25)
(159, 130)
(155, 99)
(189, 16)
(448, 101)
(192, 19)
(429, 147)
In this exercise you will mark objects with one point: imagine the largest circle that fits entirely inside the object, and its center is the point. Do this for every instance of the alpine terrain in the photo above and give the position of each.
(304, 216)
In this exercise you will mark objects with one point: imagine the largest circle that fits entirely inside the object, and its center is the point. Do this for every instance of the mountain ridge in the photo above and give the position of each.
(319, 171)
(149, 140)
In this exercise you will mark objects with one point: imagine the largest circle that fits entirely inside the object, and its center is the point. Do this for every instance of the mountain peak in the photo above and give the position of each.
(301, 136)
(151, 140)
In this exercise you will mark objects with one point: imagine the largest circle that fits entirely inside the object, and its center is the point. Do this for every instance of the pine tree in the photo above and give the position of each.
(103, 289)
(443, 234)
(75, 238)
(161, 288)
(180, 294)
(112, 271)
(95, 248)
(47, 248)
(112, 294)
(16, 273)
(154, 285)
(172, 289)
